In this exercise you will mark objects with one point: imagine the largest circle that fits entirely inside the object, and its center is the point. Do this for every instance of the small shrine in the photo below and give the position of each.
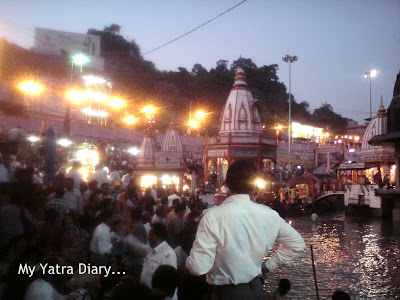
(391, 197)
(377, 157)
(163, 168)
(240, 134)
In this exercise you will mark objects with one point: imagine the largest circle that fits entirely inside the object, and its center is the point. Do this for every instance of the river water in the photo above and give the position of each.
(358, 255)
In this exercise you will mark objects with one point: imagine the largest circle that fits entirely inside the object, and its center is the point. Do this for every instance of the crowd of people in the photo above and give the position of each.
(109, 239)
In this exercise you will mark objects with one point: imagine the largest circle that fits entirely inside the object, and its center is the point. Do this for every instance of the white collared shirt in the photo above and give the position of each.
(77, 177)
(232, 240)
(73, 199)
(114, 176)
(101, 240)
(126, 178)
(171, 198)
(160, 255)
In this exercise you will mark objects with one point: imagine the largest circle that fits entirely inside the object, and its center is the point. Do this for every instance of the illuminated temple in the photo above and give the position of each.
(165, 167)
(240, 134)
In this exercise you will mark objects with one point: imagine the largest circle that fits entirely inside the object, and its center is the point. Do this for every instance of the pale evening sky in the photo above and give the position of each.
(336, 41)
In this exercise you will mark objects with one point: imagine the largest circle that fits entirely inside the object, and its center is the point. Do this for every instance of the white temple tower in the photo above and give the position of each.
(240, 116)
(240, 134)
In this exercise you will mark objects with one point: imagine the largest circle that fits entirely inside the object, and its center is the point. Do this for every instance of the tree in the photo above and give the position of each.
(325, 116)
(114, 29)
(199, 70)
(111, 40)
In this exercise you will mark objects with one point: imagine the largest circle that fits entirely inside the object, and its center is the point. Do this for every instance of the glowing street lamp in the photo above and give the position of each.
(64, 142)
(260, 183)
(116, 103)
(76, 96)
(130, 120)
(370, 75)
(78, 59)
(200, 114)
(149, 111)
(193, 123)
(30, 87)
(278, 128)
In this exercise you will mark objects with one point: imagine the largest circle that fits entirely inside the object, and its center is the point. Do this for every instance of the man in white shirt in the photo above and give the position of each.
(127, 177)
(14, 134)
(233, 239)
(172, 197)
(73, 197)
(101, 175)
(162, 253)
(100, 246)
(76, 175)
(115, 178)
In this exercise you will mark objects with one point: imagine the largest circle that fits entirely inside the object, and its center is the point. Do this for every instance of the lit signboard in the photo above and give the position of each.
(55, 42)
(305, 131)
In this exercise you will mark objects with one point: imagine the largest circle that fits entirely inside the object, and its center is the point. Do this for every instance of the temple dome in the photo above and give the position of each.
(377, 126)
(147, 152)
(240, 115)
(172, 141)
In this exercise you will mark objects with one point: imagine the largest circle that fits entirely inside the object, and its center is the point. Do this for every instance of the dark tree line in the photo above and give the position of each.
(178, 90)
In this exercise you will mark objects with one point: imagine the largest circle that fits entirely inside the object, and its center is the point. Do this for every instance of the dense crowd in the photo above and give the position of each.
(102, 239)
(107, 222)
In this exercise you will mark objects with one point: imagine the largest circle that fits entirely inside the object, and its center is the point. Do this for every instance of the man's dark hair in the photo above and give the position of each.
(60, 192)
(105, 215)
(284, 286)
(180, 207)
(136, 214)
(160, 231)
(240, 176)
(340, 295)
(165, 278)
(129, 286)
(50, 215)
(176, 202)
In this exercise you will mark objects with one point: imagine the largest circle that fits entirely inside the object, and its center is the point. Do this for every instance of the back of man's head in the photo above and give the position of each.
(180, 208)
(60, 192)
(106, 215)
(284, 286)
(240, 176)
(160, 231)
(165, 278)
(340, 295)
(129, 286)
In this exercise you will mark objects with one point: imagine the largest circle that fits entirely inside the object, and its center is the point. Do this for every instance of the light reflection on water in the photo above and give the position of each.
(357, 255)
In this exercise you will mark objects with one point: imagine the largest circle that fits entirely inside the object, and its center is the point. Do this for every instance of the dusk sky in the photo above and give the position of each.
(336, 41)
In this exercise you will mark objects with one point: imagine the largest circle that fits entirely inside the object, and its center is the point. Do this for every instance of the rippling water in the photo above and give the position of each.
(358, 255)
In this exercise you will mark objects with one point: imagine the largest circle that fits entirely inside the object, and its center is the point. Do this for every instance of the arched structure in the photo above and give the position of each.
(381, 155)
(240, 134)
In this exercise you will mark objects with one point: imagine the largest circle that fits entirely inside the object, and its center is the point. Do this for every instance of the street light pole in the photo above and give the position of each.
(290, 59)
(370, 74)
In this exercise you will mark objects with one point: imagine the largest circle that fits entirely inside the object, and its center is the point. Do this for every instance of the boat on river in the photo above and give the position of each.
(332, 205)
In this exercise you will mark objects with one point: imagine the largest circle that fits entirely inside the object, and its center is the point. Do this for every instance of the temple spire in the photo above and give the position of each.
(240, 79)
(381, 110)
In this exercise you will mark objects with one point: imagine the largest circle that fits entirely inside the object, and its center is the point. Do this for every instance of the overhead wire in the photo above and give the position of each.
(193, 30)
